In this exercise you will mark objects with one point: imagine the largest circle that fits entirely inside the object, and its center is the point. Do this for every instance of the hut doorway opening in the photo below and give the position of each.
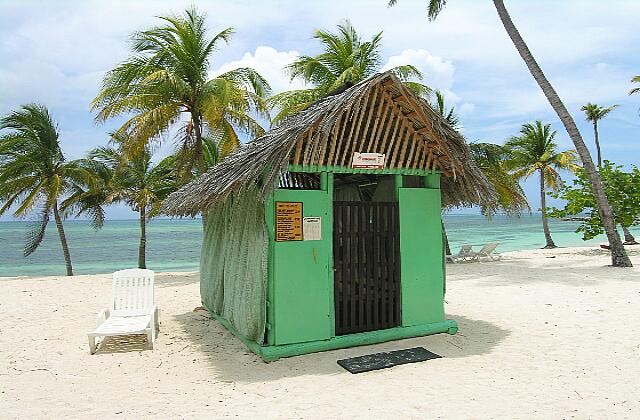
(366, 254)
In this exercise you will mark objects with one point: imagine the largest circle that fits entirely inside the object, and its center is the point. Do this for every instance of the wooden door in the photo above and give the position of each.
(366, 256)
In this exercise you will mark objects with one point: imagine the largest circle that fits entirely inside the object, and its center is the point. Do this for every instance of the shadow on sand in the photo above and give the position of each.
(123, 344)
(230, 360)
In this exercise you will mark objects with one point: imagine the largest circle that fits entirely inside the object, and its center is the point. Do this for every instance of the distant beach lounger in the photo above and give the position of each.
(132, 309)
(465, 254)
(487, 252)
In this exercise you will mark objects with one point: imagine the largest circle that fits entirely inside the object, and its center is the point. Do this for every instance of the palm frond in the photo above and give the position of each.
(594, 112)
(248, 79)
(635, 79)
(35, 235)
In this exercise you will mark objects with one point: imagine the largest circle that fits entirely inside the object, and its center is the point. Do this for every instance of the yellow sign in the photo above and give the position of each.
(288, 221)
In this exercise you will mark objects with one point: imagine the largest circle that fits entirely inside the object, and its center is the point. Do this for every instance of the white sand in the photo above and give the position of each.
(539, 337)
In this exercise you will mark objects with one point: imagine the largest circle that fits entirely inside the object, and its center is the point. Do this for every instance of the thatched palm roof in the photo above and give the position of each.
(379, 115)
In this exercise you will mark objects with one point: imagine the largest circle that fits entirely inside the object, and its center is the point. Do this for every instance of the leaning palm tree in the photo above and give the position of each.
(619, 257)
(595, 113)
(535, 150)
(166, 83)
(136, 182)
(346, 60)
(35, 177)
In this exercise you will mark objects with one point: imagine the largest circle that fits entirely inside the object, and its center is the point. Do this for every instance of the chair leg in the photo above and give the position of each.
(92, 344)
(157, 321)
(150, 338)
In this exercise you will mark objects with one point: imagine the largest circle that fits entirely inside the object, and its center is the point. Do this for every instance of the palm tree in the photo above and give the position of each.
(491, 159)
(534, 151)
(619, 257)
(594, 113)
(635, 79)
(137, 182)
(165, 82)
(346, 60)
(35, 176)
(449, 114)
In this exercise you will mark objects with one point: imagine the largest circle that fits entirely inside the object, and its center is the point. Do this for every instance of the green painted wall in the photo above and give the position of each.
(421, 256)
(301, 295)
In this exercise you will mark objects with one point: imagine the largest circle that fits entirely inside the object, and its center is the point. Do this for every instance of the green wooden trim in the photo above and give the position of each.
(323, 181)
(330, 277)
(398, 184)
(347, 170)
(270, 353)
(432, 181)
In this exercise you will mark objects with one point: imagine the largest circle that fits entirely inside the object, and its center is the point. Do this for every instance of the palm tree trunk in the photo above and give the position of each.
(63, 239)
(198, 152)
(445, 239)
(619, 257)
(545, 223)
(595, 135)
(628, 237)
(142, 250)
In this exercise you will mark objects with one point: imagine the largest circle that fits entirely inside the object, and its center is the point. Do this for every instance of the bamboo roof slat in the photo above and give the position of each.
(387, 115)
(359, 146)
(306, 157)
(359, 110)
(338, 139)
(397, 144)
(388, 145)
(351, 143)
(412, 150)
(376, 121)
(408, 136)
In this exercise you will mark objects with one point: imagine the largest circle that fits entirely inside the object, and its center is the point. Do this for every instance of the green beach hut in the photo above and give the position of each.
(326, 232)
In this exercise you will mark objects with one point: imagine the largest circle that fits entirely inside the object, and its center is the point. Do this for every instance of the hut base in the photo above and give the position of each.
(274, 352)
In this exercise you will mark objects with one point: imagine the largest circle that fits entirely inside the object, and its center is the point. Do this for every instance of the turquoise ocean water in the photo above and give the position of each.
(174, 245)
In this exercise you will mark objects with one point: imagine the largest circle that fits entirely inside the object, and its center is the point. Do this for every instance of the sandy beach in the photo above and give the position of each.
(543, 334)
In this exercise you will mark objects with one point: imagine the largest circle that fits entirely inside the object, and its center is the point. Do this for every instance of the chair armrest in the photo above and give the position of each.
(103, 315)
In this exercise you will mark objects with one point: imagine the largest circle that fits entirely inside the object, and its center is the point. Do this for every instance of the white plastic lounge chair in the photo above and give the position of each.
(465, 254)
(132, 309)
(487, 252)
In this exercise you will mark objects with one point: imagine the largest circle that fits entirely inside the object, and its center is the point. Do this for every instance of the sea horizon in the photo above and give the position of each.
(174, 244)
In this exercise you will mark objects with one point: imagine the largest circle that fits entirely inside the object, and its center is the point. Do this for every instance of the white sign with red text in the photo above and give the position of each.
(368, 160)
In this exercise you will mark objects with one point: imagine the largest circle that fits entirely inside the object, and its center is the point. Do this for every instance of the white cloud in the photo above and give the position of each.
(438, 73)
(466, 108)
(270, 63)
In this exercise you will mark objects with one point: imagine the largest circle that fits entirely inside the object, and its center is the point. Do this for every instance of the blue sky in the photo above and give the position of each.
(57, 52)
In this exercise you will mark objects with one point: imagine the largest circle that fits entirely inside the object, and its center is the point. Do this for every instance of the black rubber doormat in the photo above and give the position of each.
(385, 360)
